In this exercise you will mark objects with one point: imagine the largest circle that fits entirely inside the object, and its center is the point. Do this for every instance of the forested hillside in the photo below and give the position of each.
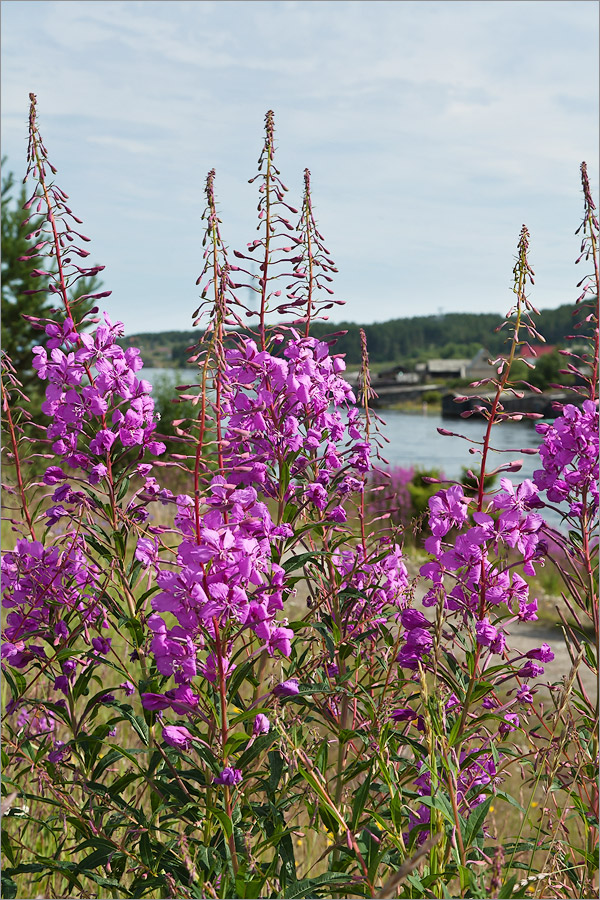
(406, 340)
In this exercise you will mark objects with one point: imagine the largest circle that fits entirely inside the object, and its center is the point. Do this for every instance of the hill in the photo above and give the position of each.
(399, 341)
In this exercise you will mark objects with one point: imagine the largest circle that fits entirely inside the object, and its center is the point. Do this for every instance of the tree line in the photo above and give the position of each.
(399, 341)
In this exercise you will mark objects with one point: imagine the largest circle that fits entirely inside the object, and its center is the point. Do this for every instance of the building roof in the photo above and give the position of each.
(534, 351)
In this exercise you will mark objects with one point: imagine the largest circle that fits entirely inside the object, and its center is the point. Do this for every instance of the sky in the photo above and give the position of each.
(433, 131)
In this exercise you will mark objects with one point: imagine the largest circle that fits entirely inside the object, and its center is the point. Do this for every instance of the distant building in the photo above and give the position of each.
(479, 367)
(399, 375)
(447, 368)
(408, 377)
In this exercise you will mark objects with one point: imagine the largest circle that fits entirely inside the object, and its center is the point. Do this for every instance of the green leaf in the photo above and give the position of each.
(396, 812)
(475, 822)
(481, 689)
(360, 800)
(6, 847)
(9, 887)
(26, 867)
(308, 886)
(123, 488)
(507, 888)
(438, 801)
(147, 855)
(137, 722)
(297, 562)
(276, 768)
(17, 682)
(262, 743)
(225, 821)
(510, 800)
(466, 879)
(98, 857)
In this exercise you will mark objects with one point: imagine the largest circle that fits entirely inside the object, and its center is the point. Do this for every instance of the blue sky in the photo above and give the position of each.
(433, 131)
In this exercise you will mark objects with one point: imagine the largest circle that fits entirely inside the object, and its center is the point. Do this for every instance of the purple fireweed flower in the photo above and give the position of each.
(522, 498)
(155, 701)
(58, 754)
(280, 640)
(485, 632)
(543, 653)
(287, 688)
(338, 514)
(511, 723)
(569, 455)
(408, 715)
(530, 670)
(409, 658)
(317, 494)
(498, 644)
(405, 714)
(419, 640)
(524, 695)
(414, 618)
(261, 724)
(177, 736)
(54, 475)
(69, 666)
(211, 668)
(61, 683)
(128, 687)
(173, 650)
(229, 777)
(101, 645)
(97, 473)
(448, 509)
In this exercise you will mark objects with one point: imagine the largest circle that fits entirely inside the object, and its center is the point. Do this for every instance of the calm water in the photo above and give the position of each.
(172, 376)
(414, 441)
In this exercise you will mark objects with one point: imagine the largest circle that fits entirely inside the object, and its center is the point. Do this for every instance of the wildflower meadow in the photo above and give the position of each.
(223, 675)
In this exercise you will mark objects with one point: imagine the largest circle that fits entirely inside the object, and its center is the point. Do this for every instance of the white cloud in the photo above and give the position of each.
(433, 130)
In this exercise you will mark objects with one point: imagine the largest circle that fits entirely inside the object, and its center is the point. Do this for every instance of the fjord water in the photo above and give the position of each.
(414, 441)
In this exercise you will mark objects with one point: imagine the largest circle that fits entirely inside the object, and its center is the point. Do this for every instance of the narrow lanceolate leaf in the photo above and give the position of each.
(360, 800)
(475, 822)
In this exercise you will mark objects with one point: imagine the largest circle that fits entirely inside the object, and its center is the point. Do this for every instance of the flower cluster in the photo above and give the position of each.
(472, 563)
(226, 578)
(476, 770)
(45, 589)
(279, 411)
(373, 584)
(91, 377)
(569, 455)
